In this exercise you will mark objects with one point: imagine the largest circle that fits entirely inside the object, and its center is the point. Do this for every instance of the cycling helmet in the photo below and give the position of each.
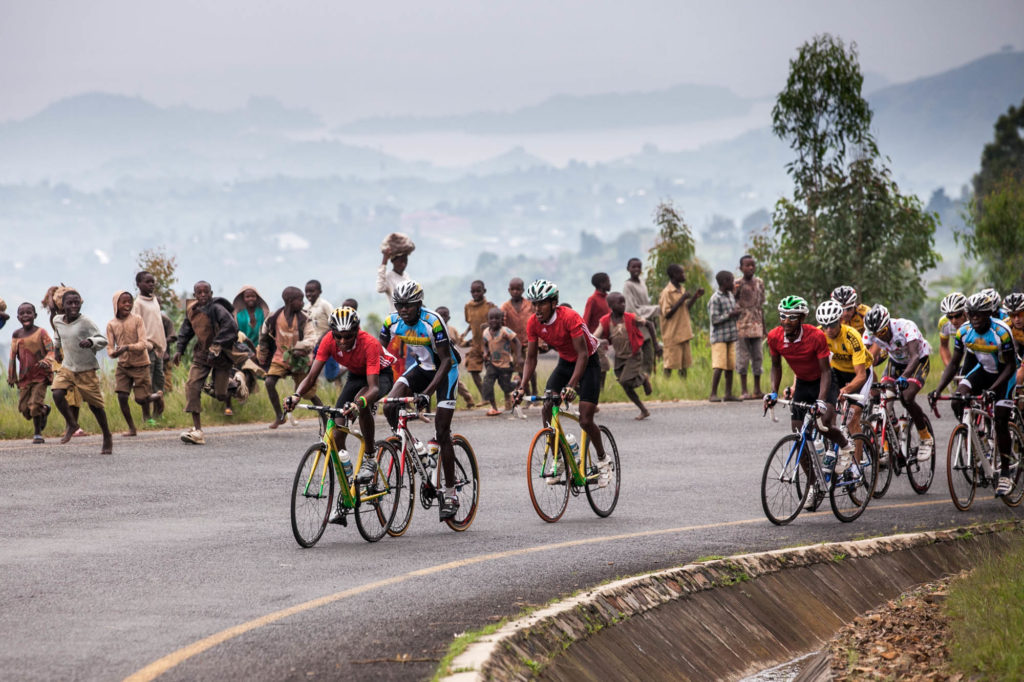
(343, 320)
(877, 318)
(793, 305)
(541, 290)
(1014, 303)
(845, 296)
(828, 312)
(983, 302)
(953, 303)
(408, 292)
(995, 295)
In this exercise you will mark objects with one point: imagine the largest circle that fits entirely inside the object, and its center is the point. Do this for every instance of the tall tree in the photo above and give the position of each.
(1003, 156)
(847, 222)
(675, 244)
(164, 267)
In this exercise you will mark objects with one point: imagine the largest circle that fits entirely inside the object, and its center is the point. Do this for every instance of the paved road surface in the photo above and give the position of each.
(111, 564)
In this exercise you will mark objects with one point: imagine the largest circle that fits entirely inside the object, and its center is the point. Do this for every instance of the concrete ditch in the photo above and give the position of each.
(723, 619)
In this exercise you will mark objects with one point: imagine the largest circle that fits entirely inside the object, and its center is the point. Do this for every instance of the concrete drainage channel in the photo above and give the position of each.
(723, 619)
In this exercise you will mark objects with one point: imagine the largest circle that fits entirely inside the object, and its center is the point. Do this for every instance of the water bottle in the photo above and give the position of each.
(573, 445)
(828, 462)
(421, 452)
(346, 462)
(433, 448)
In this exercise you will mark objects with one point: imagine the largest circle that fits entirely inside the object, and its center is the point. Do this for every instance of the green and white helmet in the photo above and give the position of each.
(793, 305)
(541, 290)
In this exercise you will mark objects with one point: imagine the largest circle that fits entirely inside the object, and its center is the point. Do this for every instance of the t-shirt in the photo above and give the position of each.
(847, 350)
(499, 346)
(27, 355)
(516, 319)
(803, 353)
(367, 356)
(558, 332)
(631, 324)
(988, 347)
(596, 308)
(902, 333)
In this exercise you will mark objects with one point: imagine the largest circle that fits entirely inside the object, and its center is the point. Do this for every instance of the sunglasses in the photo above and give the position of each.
(833, 325)
(790, 316)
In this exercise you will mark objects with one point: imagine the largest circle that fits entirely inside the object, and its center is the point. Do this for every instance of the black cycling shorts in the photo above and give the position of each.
(589, 388)
(417, 379)
(807, 392)
(357, 382)
(894, 370)
(980, 381)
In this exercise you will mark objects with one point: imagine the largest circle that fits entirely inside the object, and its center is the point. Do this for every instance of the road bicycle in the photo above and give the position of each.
(896, 440)
(971, 460)
(553, 469)
(794, 472)
(374, 503)
(415, 457)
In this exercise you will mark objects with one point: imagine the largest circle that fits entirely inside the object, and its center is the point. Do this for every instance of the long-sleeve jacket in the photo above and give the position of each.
(129, 333)
(213, 326)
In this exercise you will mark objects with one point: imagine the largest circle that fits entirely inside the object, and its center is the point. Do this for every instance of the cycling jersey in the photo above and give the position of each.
(421, 339)
(803, 353)
(902, 332)
(988, 346)
(946, 328)
(857, 321)
(558, 332)
(365, 357)
(847, 350)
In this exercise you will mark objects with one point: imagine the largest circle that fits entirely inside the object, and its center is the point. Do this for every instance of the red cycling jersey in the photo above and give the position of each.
(558, 332)
(802, 354)
(367, 356)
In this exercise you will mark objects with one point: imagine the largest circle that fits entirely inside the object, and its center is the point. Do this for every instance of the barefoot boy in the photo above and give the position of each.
(622, 329)
(476, 316)
(79, 340)
(147, 306)
(31, 353)
(502, 347)
(128, 342)
(723, 313)
(287, 339)
(675, 303)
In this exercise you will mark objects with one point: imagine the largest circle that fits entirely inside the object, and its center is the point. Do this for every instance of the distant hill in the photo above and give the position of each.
(680, 104)
(514, 160)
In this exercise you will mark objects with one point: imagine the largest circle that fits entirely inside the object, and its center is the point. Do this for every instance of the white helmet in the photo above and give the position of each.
(953, 303)
(828, 312)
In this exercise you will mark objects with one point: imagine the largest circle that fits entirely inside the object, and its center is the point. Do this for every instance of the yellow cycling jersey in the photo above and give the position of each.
(947, 329)
(847, 350)
(857, 321)
(1018, 337)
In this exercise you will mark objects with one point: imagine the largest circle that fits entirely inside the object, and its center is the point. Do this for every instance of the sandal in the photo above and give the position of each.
(493, 412)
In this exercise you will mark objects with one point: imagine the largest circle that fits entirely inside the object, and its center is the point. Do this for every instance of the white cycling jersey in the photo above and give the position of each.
(903, 332)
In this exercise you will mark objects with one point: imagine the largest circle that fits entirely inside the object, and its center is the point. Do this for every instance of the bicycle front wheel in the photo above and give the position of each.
(312, 495)
(407, 500)
(377, 501)
(467, 484)
(547, 476)
(851, 490)
(784, 485)
(920, 473)
(603, 499)
(884, 460)
(1013, 498)
(961, 472)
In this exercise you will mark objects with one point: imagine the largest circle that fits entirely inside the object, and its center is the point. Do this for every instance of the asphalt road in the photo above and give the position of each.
(118, 564)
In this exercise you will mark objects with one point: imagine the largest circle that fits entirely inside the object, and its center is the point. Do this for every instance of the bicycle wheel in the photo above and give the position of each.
(961, 472)
(885, 469)
(920, 473)
(407, 500)
(784, 485)
(546, 476)
(312, 495)
(1013, 498)
(467, 484)
(850, 491)
(603, 500)
(377, 501)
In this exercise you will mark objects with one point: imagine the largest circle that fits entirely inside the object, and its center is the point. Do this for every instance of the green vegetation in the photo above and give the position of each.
(986, 619)
(460, 644)
(675, 246)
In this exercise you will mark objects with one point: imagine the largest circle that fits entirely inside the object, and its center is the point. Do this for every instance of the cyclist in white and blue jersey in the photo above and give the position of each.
(991, 342)
(433, 368)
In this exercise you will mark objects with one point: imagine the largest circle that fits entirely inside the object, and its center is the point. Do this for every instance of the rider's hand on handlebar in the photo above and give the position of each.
(770, 399)
(788, 393)
(568, 394)
(902, 382)
(517, 396)
(291, 402)
(421, 401)
(820, 407)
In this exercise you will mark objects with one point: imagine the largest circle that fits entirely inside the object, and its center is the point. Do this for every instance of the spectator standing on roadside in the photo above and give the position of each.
(318, 310)
(517, 311)
(638, 302)
(750, 299)
(456, 341)
(596, 308)
(723, 313)
(476, 317)
(675, 303)
(30, 369)
(501, 347)
(147, 306)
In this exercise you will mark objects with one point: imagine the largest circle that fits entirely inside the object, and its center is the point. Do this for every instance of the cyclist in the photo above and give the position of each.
(909, 362)
(853, 312)
(1001, 312)
(578, 370)
(369, 377)
(954, 314)
(991, 342)
(1014, 305)
(849, 360)
(432, 369)
(806, 349)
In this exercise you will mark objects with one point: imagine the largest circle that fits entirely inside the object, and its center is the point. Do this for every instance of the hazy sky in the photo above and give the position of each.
(347, 59)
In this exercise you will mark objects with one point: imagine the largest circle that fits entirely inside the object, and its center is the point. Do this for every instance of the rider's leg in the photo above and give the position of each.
(443, 431)
(1002, 415)
(587, 410)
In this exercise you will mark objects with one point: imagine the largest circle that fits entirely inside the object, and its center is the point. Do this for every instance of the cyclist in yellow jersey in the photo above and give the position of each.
(954, 314)
(848, 359)
(1014, 305)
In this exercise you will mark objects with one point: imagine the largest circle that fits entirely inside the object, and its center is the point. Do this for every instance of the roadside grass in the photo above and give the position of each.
(987, 618)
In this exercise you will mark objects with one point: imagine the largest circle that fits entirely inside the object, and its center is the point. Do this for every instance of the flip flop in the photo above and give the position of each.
(493, 412)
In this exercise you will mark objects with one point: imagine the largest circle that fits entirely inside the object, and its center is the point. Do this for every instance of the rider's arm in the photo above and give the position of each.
(444, 365)
(370, 392)
(861, 375)
(944, 350)
(579, 344)
(913, 359)
(776, 373)
(826, 378)
(951, 367)
(310, 379)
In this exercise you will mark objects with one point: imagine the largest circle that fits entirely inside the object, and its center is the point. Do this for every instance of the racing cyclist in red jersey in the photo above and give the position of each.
(578, 370)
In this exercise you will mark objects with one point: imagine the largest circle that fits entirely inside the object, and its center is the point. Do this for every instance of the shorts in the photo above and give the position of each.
(589, 388)
(156, 369)
(87, 383)
(503, 375)
(979, 381)
(894, 369)
(282, 371)
(417, 379)
(678, 355)
(807, 392)
(723, 355)
(475, 359)
(357, 382)
(32, 399)
(127, 378)
(197, 379)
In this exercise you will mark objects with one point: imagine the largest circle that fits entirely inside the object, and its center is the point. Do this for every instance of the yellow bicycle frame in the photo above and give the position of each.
(578, 468)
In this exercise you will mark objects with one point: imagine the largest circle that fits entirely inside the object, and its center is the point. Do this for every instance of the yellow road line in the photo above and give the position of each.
(159, 667)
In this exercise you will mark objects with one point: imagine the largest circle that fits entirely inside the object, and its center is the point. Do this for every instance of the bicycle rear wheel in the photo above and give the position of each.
(547, 476)
(312, 495)
(784, 485)
(407, 500)
(603, 500)
(885, 469)
(920, 473)
(467, 484)
(1013, 498)
(961, 472)
(849, 492)
(377, 501)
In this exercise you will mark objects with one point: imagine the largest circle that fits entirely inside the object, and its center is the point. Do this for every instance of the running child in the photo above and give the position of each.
(30, 369)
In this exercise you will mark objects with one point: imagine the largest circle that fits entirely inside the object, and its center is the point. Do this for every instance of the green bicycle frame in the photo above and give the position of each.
(577, 468)
(346, 485)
